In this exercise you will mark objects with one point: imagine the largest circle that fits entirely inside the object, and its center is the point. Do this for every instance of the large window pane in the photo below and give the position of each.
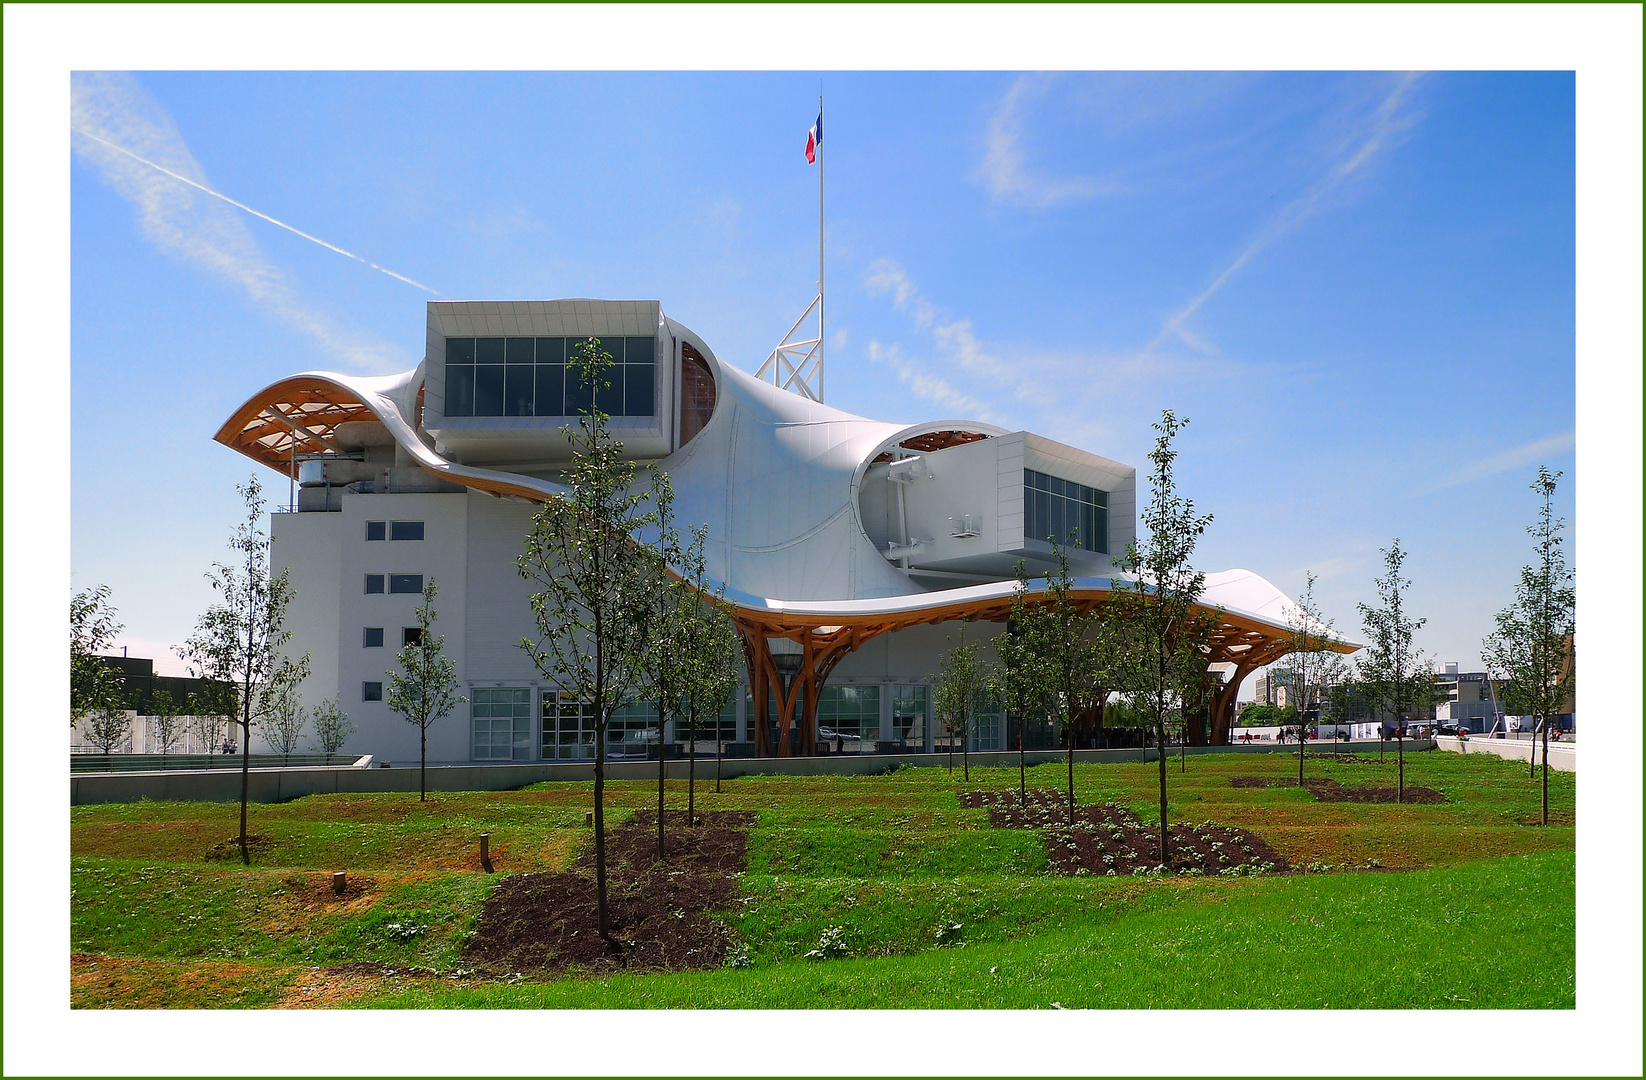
(609, 398)
(519, 350)
(488, 350)
(459, 391)
(579, 395)
(637, 389)
(551, 388)
(488, 389)
(551, 350)
(640, 350)
(518, 398)
(460, 350)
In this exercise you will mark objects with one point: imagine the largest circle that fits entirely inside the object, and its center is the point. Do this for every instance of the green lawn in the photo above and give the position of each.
(160, 917)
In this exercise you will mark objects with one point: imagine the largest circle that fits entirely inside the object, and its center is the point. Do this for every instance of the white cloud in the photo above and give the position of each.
(124, 134)
(1004, 169)
(930, 387)
(1518, 457)
(1363, 139)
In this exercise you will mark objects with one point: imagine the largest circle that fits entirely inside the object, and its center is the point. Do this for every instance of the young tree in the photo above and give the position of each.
(424, 690)
(166, 714)
(1084, 656)
(107, 726)
(586, 566)
(661, 614)
(1019, 679)
(959, 684)
(211, 709)
(714, 660)
(284, 724)
(239, 640)
(1393, 671)
(1160, 602)
(94, 687)
(1306, 665)
(332, 728)
(1528, 647)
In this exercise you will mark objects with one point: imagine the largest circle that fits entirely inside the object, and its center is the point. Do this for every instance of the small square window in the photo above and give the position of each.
(404, 583)
(403, 530)
(374, 583)
(411, 635)
(372, 691)
(374, 637)
(374, 530)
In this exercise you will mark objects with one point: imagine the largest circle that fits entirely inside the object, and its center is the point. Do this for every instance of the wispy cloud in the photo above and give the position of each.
(1005, 170)
(124, 134)
(930, 387)
(1363, 141)
(1518, 457)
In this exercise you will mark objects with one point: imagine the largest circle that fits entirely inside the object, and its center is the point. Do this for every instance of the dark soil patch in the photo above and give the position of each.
(660, 910)
(230, 848)
(1328, 790)
(1109, 840)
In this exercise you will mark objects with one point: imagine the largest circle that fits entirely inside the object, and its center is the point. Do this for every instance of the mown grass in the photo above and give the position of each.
(1383, 941)
(165, 916)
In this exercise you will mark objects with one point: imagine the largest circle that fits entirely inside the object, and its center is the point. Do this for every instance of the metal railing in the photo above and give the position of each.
(82, 763)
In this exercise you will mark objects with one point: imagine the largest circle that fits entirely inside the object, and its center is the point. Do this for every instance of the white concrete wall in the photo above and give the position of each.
(1562, 756)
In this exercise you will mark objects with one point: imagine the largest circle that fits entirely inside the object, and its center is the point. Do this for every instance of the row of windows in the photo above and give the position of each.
(522, 376)
(409, 635)
(397, 583)
(1065, 512)
(394, 530)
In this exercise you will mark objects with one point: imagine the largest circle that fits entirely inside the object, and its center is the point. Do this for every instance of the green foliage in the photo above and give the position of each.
(955, 694)
(1392, 670)
(332, 727)
(95, 689)
(424, 690)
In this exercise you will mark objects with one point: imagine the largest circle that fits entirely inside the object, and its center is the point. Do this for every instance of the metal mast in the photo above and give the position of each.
(797, 363)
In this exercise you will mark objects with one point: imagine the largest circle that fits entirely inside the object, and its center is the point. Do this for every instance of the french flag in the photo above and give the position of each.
(814, 140)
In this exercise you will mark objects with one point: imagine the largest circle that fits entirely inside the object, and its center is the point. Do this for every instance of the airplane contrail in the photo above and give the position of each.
(256, 213)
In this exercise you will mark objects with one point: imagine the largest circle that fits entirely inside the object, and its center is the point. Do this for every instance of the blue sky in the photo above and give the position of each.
(1359, 287)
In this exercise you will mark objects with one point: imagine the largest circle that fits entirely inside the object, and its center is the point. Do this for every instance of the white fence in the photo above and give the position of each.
(1562, 756)
(141, 738)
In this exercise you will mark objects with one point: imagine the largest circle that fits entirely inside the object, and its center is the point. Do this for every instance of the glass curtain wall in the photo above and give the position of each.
(909, 717)
(523, 376)
(848, 719)
(501, 719)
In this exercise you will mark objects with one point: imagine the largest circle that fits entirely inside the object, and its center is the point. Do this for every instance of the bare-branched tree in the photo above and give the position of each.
(1531, 646)
(239, 641)
(1160, 602)
(424, 690)
(1396, 675)
(586, 569)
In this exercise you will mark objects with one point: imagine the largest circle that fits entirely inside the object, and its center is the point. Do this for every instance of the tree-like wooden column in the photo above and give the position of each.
(795, 694)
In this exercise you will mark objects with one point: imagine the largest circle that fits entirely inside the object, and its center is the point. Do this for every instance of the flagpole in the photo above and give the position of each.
(820, 328)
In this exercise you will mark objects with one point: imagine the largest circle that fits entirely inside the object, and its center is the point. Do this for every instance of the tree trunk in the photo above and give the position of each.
(1545, 772)
(965, 750)
(600, 834)
(422, 764)
(1069, 732)
(1400, 776)
(660, 780)
(246, 777)
(1531, 770)
(719, 750)
(1160, 736)
(1022, 769)
(691, 769)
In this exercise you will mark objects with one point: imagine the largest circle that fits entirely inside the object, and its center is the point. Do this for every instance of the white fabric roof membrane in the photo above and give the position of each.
(771, 476)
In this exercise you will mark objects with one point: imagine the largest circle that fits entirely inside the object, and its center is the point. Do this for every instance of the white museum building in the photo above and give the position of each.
(849, 548)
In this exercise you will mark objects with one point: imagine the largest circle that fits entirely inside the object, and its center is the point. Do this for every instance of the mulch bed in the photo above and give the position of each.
(660, 910)
(1110, 841)
(1325, 789)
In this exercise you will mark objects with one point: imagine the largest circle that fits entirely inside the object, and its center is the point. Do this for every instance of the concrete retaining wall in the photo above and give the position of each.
(279, 785)
(1562, 756)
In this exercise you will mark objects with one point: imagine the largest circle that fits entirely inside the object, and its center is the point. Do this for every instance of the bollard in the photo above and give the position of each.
(485, 851)
(339, 882)
(588, 817)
